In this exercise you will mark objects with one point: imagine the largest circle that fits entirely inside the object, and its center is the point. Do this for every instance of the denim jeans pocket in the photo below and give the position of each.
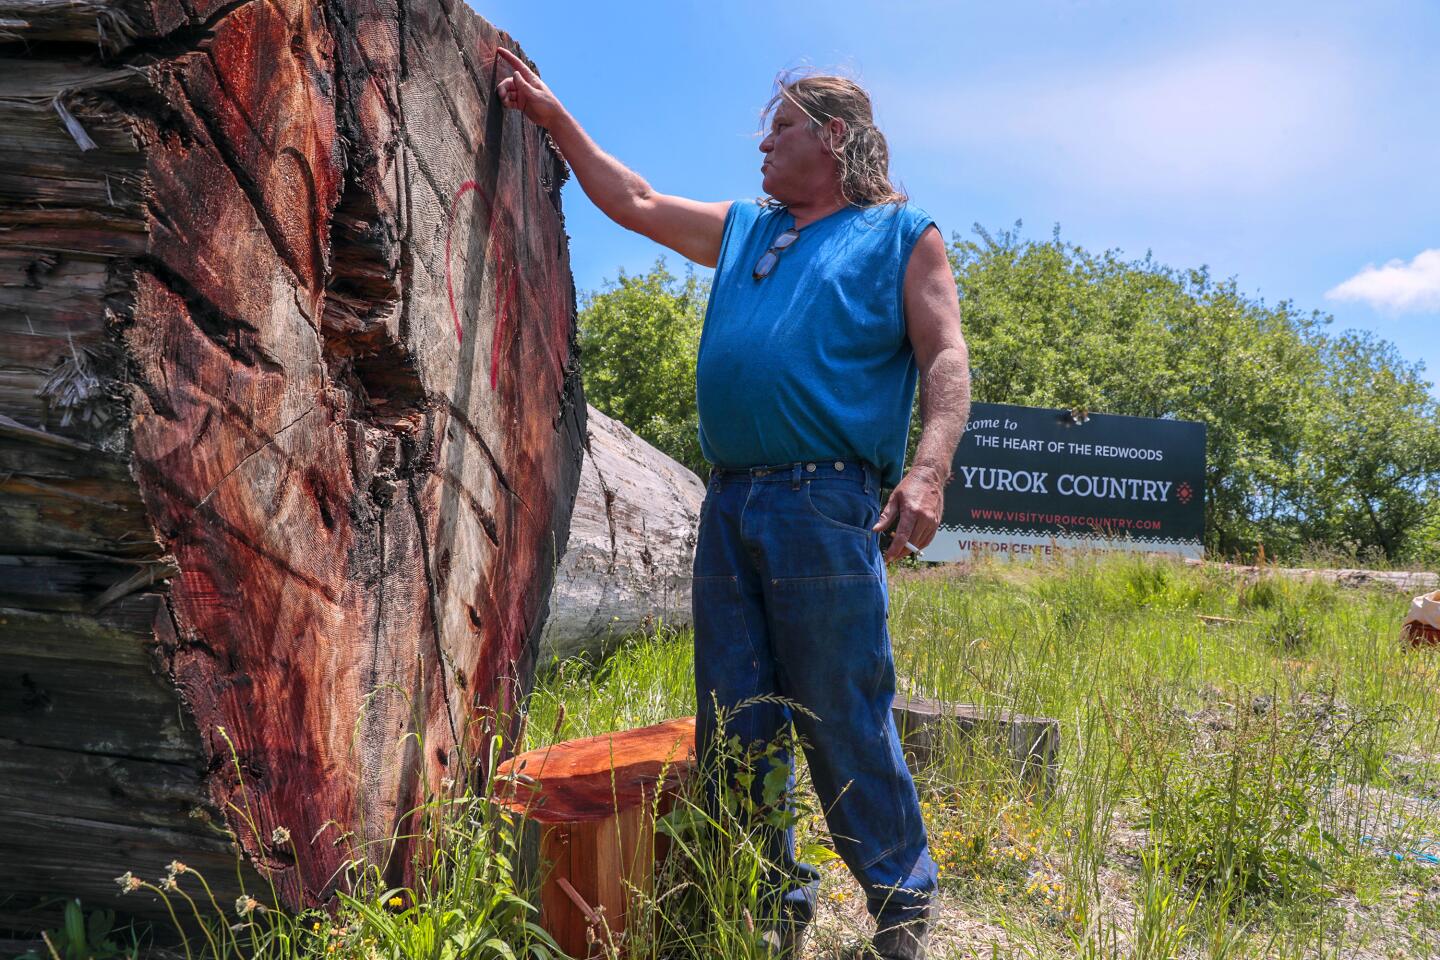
(842, 503)
(835, 627)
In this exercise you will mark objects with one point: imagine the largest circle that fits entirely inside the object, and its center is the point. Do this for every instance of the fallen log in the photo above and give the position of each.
(1410, 581)
(290, 429)
(632, 544)
(588, 809)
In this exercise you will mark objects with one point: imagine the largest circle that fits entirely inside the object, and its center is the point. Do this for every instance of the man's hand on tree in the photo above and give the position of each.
(914, 507)
(523, 90)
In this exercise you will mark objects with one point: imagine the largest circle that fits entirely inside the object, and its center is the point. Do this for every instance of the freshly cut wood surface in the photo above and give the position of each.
(589, 811)
(632, 546)
(290, 429)
(592, 778)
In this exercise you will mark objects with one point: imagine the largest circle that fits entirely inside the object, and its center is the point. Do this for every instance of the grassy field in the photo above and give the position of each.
(1262, 785)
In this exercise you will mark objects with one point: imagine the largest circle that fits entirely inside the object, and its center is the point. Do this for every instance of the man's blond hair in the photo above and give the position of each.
(862, 153)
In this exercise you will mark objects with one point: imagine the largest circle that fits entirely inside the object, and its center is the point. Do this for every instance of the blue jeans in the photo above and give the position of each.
(790, 600)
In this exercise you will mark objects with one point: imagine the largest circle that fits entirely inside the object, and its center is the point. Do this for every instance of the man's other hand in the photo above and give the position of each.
(915, 508)
(523, 90)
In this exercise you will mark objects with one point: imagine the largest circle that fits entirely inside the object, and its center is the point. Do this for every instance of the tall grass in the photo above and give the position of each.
(469, 899)
(1250, 768)
(1242, 782)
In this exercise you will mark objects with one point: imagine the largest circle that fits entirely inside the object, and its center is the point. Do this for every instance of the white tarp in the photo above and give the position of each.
(1425, 611)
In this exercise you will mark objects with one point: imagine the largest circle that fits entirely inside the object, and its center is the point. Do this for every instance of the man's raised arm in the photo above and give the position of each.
(689, 227)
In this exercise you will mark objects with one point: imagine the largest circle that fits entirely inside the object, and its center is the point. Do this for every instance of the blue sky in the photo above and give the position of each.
(1292, 146)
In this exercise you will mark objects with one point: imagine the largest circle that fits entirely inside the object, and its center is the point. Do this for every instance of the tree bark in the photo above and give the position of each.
(632, 545)
(291, 429)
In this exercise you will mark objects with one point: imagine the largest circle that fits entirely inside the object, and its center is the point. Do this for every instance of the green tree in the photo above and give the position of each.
(1309, 437)
(638, 341)
(1373, 453)
(1312, 438)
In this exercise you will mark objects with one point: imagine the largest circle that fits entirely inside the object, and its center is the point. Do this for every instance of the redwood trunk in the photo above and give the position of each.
(292, 428)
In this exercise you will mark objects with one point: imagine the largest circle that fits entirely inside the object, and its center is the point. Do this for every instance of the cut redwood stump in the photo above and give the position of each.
(627, 569)
(290, 430)
(589, 807)
(930, 730)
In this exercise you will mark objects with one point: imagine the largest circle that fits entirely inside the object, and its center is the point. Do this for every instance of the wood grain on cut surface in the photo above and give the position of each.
(592, 778)
(241, 444)
(589, 810)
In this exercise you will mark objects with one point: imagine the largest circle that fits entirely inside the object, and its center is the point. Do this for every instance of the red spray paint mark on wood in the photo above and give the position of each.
(465, 188)
(507, 281)
(504, 272)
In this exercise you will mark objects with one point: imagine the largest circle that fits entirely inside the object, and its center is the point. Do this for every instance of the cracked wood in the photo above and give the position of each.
(239, 441)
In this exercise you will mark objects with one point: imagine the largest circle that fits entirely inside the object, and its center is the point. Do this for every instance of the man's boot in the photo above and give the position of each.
(904, 941)
(784, 939)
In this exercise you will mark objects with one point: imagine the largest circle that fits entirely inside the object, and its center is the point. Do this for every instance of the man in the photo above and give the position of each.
(829, 300)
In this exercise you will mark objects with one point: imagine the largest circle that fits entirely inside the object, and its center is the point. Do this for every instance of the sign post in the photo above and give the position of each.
(1032, 481)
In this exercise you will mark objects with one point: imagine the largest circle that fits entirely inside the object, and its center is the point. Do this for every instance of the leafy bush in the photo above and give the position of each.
(638, 341)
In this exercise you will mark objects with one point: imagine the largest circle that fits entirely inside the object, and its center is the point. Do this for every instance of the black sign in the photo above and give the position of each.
(1030, 480)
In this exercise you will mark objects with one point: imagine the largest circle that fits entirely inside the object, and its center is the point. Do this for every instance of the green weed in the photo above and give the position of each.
(1245, 813)
(1230, 787)
(86, 937)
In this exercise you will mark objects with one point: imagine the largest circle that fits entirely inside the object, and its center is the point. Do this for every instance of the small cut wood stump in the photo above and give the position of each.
(589, 809)
(932, 729)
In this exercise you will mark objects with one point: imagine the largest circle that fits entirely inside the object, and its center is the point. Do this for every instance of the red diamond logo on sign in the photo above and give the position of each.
(1183, 493)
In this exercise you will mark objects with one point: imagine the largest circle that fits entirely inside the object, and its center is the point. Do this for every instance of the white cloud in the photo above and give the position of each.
(1240, 117)
(1398, 286)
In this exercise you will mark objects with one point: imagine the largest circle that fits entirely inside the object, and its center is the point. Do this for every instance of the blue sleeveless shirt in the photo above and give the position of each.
(812, 362)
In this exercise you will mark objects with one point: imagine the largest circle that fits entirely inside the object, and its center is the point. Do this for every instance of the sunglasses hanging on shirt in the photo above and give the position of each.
(770, 257)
